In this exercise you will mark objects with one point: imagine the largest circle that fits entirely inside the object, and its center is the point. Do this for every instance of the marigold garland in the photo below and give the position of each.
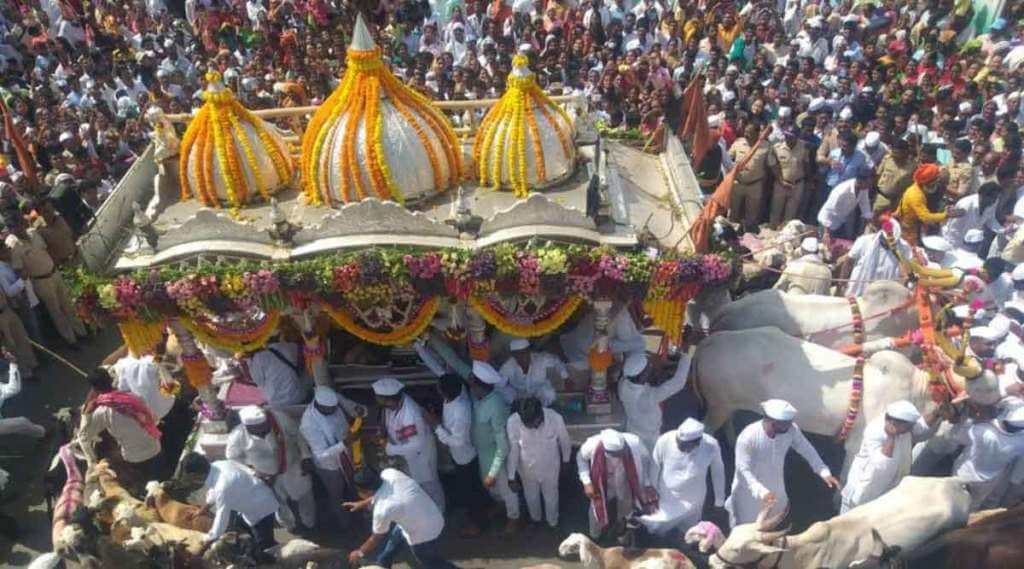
(197, 369)
(669, 315)
(398, 337)
(234, 340)
(500, 145)
(541, 327)
(600, 361)
(142, 337)
(357, 100)
(218, 132)
(857, 385)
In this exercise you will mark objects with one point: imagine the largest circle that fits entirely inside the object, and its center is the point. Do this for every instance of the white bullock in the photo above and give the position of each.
(886, 307)
(906, 517)
(735, 371)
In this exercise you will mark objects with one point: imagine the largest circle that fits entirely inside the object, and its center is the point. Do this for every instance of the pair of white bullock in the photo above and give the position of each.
(775, 345)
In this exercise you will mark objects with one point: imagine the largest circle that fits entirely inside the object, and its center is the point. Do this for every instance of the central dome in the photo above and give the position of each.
(375, 137)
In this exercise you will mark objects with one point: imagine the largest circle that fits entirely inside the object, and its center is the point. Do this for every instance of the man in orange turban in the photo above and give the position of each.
(913, 211)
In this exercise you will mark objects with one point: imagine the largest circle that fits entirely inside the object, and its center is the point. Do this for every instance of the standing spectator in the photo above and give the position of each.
(539, 444)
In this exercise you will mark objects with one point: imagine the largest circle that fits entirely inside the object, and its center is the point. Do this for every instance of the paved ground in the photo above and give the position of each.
(59, 387)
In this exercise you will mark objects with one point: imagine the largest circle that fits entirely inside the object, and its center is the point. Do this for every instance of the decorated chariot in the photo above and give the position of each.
(381, 228)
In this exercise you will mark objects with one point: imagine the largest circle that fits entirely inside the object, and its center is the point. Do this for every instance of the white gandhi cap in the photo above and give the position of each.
(1015, 416)
(387, 387)
(903, 410)
(809, 244)
(690, 430)
(935, 243)
(985, 333)
(325, 396)
(974, 236)
(486, 373)
(612, 440)
(518, 344)
(252, 415)
(634, 364)
(779, 410)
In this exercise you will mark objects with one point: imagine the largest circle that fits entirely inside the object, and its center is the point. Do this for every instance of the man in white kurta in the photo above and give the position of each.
(760, 459)
(681, 461)
(528, 373)
(538, 445)
(409, 437)
(615, 468)
(277, 371)
(807, 274)
(991, 449)
(885, 454)
(269, 443)
(16, 425)
(325, 427)
(874, 261)
(641, 395)
(229, 488)
(142, 377)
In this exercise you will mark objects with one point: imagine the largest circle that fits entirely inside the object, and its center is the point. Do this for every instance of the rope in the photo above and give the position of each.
(829, 279)
(882, 314)
(59, 358)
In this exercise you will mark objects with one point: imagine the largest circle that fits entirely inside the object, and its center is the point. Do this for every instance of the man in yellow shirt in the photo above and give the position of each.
(913, 211)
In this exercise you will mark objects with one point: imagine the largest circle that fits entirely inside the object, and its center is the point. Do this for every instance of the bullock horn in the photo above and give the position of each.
(770, 537)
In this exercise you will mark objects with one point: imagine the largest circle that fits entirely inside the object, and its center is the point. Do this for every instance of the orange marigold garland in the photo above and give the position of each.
(197, 369)
(142, 337)
(234, 340)
(401, 336)
(540, 327)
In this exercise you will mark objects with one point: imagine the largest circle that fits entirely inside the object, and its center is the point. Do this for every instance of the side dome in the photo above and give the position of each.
(526, 140)
(375, 137)
(229, 155)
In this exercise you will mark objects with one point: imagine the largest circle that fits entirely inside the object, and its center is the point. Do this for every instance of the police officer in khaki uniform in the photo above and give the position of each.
(748, 189)
(963, 176)
(895, 173)
(59, 238)
(31, 260)
(788, 161)
(15, 339)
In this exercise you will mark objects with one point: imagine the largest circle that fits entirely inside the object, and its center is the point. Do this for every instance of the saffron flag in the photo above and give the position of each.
(718, 203)
(695, 123)
(25, 160)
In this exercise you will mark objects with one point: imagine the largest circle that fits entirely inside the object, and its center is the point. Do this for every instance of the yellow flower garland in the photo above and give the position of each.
(513, 118)
(669, 316)
(235, 342)
(538, 148)
(250, 156)
(538, 328)
(141, 337)
(357, 101)
(216, 133)
(398, 337)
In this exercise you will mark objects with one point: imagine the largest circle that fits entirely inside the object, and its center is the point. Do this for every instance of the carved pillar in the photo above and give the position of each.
(598, 398)
(476, 328)
(199, 374)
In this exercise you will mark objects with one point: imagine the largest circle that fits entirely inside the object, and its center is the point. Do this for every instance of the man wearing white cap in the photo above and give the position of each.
(681, 461)
(529, 373)
(409, 436)
(269, 443)
(937, 250)
(885, 453)
(991, 448)
(873, 147)
(1017, 277)
(979, 213)
(760, 458)
(614, 468)
(965, 257)
(325, 426)
(642, 395)
(872, 259)
(538, 445)
(490, 418)
(807, 274)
